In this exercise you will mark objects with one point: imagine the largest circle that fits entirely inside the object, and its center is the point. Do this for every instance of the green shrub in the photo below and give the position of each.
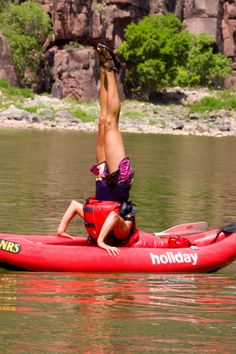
(77, 112)
(134, 115)
(225, 100)
(159, 52)
(12, 91)
(26, 26)
(71, 46)
(204, 64)
(154, 49)
(32, 109)
(185, 78)
(4, 84)
(3, 4)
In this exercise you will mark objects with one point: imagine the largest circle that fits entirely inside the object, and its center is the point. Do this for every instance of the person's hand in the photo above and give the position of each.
(113, 251)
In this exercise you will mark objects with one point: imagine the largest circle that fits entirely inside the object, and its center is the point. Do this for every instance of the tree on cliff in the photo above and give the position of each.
(26, 27)
(153, 50)
(159, 52)
(204, 67)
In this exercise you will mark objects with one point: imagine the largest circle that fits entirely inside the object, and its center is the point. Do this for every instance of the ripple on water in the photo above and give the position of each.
(178, 180)
(103, 312)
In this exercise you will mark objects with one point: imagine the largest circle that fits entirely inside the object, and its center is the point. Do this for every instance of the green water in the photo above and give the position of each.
(177, 180)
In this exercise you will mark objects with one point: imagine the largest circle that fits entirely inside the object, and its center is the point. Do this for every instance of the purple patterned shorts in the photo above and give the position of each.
(123, 174)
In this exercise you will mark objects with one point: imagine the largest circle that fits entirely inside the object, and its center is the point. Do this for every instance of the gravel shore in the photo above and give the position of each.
(172, 117)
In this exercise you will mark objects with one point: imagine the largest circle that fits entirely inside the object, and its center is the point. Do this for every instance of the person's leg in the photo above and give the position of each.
(114, 146)
(75, 208)
(100, 149)
(119, 226)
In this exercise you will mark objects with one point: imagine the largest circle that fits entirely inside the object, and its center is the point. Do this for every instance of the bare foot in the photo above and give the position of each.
(63, 234)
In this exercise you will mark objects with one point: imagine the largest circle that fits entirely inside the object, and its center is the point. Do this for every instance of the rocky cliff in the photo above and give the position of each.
(6, 65)
(70, 65)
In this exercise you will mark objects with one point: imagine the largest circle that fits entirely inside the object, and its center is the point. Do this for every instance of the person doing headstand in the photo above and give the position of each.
(113, 171)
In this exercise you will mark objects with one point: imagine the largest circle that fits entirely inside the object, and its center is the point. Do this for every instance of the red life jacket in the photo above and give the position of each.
(95, 214)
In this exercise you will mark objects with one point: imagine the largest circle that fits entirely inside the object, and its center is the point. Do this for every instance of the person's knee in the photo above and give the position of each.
(110, 122)
(114, 216)
(77, 208)
(73, 203)
(101, 120)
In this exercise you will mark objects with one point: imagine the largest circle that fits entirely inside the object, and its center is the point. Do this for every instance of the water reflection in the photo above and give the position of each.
(104, 312)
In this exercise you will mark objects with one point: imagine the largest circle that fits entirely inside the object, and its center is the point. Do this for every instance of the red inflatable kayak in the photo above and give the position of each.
(207, 252)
